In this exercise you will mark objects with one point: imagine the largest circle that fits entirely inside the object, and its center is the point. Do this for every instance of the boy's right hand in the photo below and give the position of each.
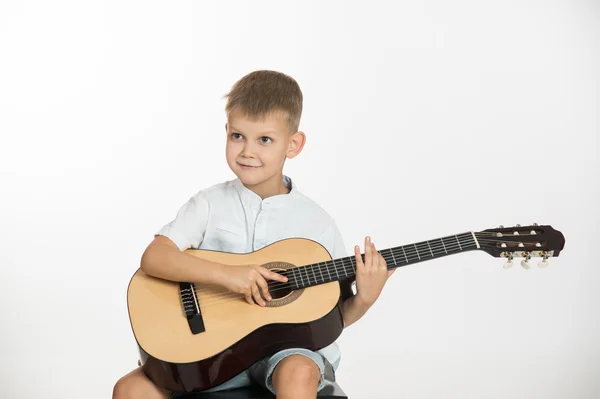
(250, 280)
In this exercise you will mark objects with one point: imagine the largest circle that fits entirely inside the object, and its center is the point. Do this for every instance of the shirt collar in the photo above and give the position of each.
(249, 197)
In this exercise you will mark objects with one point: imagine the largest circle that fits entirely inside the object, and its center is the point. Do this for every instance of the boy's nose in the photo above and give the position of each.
(247, 151)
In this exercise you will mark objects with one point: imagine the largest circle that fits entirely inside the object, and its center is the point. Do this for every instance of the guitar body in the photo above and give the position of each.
(236, 334)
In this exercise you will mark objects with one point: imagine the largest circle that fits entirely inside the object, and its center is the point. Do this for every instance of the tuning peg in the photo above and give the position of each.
(508, 263)
(525, 262)
(543, 263)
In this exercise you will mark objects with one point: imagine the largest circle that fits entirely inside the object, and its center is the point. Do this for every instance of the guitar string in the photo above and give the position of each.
(225, 294)
(332, 267)
(228, 296)
(276, 285)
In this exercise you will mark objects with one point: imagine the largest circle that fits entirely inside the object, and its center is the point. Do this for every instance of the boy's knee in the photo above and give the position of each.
(124, 388)
(297, 371)
(135, 385)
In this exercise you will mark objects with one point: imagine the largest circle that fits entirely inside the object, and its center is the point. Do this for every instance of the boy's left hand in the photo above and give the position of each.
(371, 275)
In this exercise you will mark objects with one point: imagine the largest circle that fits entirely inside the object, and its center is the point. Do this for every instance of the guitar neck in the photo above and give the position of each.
(345, 268)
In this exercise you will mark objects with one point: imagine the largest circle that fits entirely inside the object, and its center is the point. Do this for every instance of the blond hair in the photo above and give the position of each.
(263, 93)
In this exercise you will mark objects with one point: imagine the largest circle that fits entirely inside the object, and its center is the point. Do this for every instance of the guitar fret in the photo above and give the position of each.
(442, 240)
(404, 252)
(296, 278)
(336, 272)
(393, 257)
(312, 269)
(307, 276)
(423, 250)
(469, 238)
(327, 268)
(458, 242)
(293, 274)
(416, 249)
(432, 255)
(321, 271)
(335, 269)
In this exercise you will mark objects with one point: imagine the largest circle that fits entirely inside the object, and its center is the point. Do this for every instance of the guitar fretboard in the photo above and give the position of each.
(345, 268)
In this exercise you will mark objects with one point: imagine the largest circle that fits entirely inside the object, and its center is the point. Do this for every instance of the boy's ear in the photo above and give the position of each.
(297, 141)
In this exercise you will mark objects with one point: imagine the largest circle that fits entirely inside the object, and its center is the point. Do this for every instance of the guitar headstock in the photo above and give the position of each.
(522, 242)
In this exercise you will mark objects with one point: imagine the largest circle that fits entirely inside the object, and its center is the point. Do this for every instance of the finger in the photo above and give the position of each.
(358, 257)
(266, 273)
(264, 287)
(368, 254)
(257, 296)
(249, 298)
(379, 261)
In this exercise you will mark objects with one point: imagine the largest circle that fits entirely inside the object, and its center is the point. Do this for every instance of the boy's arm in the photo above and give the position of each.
(163, 259)
(371, 276)
(352, 310)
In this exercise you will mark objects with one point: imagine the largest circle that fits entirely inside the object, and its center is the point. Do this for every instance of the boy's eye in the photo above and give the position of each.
(264, 139)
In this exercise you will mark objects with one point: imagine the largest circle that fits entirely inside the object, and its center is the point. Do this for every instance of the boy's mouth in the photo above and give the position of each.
(247, 166)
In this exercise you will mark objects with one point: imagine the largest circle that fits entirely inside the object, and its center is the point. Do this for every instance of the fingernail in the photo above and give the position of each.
(368, 239)
(269, 298)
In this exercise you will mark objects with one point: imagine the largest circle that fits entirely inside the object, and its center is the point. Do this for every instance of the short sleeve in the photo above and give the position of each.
(188, 228)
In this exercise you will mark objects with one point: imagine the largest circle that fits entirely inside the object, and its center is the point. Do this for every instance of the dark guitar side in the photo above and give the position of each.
(265, 341)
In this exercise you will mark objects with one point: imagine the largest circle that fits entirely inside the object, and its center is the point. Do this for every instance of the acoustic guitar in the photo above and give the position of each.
(195, 336)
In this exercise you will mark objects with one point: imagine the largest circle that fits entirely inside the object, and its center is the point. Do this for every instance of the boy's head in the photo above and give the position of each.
(263, 115)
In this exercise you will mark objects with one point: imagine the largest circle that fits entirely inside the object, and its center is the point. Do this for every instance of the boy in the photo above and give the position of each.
(259, 207)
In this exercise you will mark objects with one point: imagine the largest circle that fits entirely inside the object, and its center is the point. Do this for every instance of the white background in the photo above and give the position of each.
(423, 118)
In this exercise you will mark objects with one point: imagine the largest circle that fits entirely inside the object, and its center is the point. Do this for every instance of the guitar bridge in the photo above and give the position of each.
(191, 307)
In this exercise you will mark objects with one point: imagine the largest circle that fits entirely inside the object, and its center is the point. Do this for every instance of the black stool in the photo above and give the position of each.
(331, 391)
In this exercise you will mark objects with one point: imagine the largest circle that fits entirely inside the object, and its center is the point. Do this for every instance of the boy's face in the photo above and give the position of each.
(256, 150)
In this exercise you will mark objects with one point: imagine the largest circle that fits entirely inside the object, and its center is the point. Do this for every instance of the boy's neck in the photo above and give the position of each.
(269, 188)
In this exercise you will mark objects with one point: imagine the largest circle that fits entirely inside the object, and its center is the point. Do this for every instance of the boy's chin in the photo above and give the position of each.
(250, 177)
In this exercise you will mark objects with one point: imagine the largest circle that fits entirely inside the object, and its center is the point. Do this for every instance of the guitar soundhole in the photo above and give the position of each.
(281, 293)
(278, 293)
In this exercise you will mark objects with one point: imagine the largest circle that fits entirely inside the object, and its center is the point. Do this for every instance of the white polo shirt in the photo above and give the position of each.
(230, 217)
